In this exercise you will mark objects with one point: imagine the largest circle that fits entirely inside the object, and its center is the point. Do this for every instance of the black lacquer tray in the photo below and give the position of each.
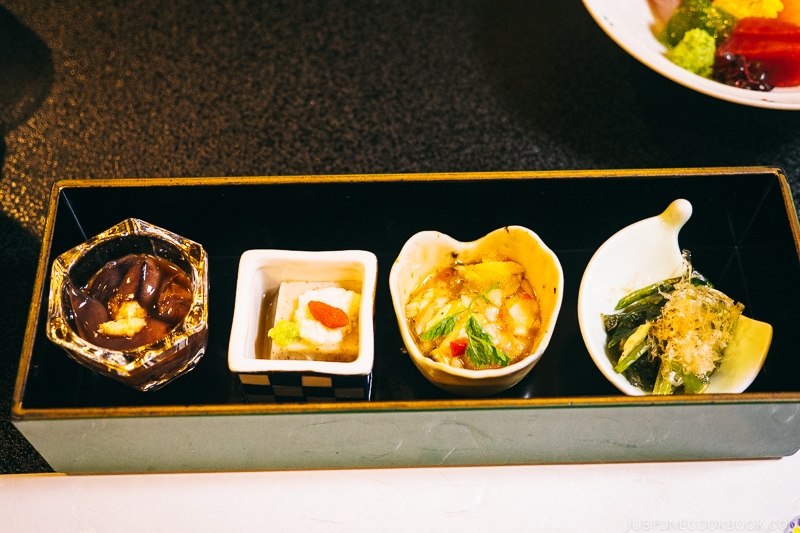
(743, 234)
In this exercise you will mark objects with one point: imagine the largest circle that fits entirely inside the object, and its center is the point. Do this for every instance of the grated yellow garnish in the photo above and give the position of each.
(751, 8)
(695, 326)
(130, 319)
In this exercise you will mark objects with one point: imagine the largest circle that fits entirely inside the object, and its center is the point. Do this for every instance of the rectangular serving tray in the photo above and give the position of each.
(743, 235)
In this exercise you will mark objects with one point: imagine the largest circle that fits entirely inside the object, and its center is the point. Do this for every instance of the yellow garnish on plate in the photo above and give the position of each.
(129, 320)
(751, 8)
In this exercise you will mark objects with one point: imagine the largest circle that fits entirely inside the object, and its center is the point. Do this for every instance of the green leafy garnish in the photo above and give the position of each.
(441, 328)
(481, 350)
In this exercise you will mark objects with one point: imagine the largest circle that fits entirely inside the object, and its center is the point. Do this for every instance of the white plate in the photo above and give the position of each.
(629, 24)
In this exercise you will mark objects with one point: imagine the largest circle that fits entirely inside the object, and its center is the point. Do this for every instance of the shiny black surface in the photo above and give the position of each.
(737, 236)
(141, 89)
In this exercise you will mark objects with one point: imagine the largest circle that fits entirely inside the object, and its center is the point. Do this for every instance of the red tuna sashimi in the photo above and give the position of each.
(774, 43)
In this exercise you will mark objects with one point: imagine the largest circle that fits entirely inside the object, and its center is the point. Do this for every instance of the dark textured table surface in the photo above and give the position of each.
(139, 89)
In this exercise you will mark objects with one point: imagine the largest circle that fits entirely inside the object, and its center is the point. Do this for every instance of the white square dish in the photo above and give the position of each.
(260, 277)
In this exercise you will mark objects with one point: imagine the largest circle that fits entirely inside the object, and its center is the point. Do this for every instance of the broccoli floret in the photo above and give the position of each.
(701, 14)
(695, 52)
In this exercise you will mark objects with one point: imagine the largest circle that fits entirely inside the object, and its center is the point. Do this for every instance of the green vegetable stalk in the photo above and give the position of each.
(628, 336)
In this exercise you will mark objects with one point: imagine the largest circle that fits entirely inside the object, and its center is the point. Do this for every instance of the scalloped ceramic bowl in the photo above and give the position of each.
(638, 255)
(428, 250)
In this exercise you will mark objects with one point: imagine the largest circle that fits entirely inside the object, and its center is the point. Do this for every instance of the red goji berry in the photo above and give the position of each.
(331, 317)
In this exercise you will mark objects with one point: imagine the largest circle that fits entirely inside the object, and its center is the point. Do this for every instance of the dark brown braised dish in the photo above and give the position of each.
(131, 302)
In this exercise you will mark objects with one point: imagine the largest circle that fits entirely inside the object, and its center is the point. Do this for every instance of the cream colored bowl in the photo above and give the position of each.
(428, 250)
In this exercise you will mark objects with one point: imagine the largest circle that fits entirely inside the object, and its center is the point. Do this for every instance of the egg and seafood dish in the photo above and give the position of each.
(670, 337)
(475, 316)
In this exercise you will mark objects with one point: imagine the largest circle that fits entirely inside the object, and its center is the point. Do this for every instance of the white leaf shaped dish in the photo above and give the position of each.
(638, 255)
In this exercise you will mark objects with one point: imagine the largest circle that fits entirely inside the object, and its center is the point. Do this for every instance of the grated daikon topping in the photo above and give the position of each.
(695, 326)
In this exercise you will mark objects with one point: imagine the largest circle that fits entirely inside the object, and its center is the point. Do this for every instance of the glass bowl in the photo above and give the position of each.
(171, 350)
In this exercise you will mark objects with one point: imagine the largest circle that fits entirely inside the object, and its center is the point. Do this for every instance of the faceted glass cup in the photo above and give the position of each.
(151, 366)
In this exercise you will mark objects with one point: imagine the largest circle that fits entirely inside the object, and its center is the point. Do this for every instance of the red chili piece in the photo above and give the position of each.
(458, 347)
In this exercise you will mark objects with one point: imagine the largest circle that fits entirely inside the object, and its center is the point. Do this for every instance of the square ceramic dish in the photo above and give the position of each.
(342, 376)
(744, 231)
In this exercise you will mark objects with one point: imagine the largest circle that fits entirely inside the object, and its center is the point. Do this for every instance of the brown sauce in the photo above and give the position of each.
(155, 290)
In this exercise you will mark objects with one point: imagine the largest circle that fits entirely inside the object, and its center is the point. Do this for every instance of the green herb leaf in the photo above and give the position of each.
(480, 350)
(444, 327)
(474, 329)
